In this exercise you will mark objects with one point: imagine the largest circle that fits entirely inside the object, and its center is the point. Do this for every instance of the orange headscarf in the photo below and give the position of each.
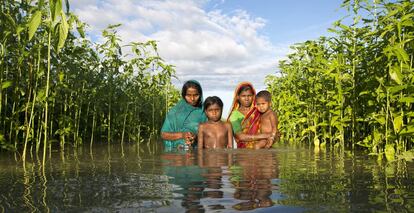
(250, 124)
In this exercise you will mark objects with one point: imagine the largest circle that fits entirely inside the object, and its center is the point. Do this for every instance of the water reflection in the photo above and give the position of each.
(130, 178)
(255, 186)
(222, 179)
(216, 164)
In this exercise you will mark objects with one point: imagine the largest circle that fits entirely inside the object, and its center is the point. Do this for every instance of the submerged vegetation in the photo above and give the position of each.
(356, 88)
(58, 87)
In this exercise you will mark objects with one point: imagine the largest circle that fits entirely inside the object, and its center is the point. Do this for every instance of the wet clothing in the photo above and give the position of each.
(183, 117)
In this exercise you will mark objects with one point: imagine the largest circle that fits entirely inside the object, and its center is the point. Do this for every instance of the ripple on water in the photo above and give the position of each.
(286, 179)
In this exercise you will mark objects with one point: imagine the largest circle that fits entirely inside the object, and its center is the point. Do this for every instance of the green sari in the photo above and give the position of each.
(183, 117)
(236, 118)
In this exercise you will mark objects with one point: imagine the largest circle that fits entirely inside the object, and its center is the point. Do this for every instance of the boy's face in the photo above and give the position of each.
(213, 112)
(262, 105)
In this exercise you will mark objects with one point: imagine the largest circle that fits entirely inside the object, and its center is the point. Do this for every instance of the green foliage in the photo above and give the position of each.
(58, 85)
(34, 23)
(356, 87)
(4, 144)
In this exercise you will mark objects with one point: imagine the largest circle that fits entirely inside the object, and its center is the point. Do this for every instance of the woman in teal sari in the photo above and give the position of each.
(181, 124)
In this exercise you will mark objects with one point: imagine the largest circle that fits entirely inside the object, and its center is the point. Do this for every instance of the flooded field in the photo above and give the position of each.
(133, 178)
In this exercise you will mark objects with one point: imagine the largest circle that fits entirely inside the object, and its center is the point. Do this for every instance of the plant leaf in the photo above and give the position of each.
(63, 31)
(34, 23)
(55, 8)
(389, 152)
(409, 99)
(395, 74)
(398, 121)
(6, 84)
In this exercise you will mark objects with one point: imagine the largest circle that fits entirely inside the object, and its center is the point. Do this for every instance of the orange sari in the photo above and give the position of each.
(249, 123)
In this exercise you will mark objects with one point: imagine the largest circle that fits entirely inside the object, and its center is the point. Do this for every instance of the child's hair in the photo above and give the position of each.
(264, 94)
(213, 100)
(192, 84)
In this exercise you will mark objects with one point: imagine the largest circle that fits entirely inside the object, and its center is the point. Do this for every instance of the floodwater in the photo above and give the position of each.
(145, 178)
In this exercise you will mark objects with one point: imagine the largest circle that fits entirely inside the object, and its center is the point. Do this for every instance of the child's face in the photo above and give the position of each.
(262, 105)
(213, 112)
(192, 96)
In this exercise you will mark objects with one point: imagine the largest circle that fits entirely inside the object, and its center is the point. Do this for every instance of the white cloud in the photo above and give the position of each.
(216, 48)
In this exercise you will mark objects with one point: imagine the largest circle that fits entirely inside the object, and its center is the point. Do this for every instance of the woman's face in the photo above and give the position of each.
(246, 98)
(192, 96)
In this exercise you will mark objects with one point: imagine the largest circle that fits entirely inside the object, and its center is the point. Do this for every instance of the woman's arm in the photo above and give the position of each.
(229, 136)
(239, 135)
(246, 137)
(172, 136)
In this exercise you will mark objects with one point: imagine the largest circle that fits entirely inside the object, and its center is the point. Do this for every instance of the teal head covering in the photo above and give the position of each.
(184, 117)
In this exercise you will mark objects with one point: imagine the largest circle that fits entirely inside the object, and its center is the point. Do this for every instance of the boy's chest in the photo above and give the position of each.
(266, 124)
(215, 131)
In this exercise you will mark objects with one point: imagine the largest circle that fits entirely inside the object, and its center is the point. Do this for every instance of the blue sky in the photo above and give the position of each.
(288, 21)
(217, 42)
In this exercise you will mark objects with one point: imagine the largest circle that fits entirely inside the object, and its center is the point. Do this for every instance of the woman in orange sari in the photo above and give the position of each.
(244, 117)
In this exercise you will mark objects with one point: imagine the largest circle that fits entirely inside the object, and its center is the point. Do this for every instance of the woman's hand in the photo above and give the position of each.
(268, 136)
(188, 137)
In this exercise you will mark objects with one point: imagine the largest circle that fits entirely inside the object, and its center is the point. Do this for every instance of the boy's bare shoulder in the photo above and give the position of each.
(273, 113)
(269, 114)
(227, 124)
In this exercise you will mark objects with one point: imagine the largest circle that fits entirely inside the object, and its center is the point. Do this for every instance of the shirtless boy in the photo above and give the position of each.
(268, 119)
(214, 133)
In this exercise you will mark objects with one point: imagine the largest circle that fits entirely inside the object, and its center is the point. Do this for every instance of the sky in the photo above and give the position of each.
(217, 42)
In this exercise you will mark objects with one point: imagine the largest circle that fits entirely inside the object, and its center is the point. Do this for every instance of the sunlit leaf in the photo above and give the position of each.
(316, 141)
(6, 84)
(390, 152)
(61, 76)
(395, 74)
(80, 29)
(408, 130)
(398, 121)
(34, 23)
(63, 31)
(396, 89)
(380, 119)
(407, 99)
(407, 155)
(55, 8)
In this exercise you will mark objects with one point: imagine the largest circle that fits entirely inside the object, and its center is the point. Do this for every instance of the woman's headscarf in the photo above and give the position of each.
(251, 121)
(235, 105)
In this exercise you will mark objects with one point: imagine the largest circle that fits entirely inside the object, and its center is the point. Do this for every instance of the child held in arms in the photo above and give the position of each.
(268, 119)
(214, 133)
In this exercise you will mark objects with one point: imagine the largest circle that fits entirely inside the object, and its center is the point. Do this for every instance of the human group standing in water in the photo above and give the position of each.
(191, 123)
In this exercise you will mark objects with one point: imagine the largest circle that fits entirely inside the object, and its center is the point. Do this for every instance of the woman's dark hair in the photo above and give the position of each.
(244, 88)
(213, 100)
(192, 84)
